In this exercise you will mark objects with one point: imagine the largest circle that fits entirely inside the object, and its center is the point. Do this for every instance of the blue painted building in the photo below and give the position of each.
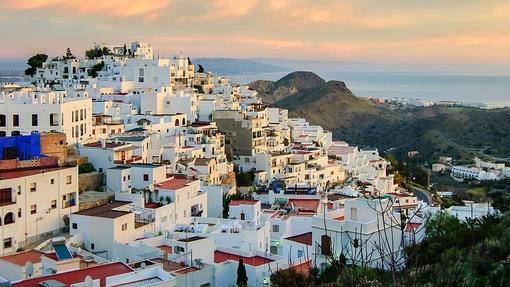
(21, 147)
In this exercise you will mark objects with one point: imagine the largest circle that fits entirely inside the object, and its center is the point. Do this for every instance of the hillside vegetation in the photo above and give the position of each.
(461, 132)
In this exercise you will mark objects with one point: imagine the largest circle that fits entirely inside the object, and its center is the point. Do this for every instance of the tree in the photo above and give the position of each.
(242, 278)
(200, 69)
(96, 68)
(35, 62)
(69, 55)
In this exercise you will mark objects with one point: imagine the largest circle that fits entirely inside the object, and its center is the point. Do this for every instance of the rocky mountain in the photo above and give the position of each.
(459, 131)
(291, 84)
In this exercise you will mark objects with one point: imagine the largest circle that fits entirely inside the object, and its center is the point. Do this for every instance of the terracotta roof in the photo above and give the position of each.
(76, 276)
(220, 257)
(303, 267)
(22, 258)
(243, 202)
(305, 238)
(174, 183)
(106, 210)
(308, 204)
(107, 144)
(27, 172)
(202, 161)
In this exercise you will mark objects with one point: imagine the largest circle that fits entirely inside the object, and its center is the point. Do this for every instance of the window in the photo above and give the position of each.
(276, 228)
(300, 253)
(92, 246)
(53, 204)
(124, 226)
(33, 187)
(75, 225)
(19, 189)
(273, 249)
(145, 177)
(2, 121)
(52, 181)
(34, 120)
(15, 120)
(163, 219)
(33, 209)
(8, 242)
(69, 179)
(354, 213)
(19, 212)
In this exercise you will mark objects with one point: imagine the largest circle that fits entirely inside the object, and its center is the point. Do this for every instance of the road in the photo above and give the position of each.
(422, 194)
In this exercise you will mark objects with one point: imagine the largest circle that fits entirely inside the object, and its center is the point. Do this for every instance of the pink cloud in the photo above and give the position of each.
(113, 8)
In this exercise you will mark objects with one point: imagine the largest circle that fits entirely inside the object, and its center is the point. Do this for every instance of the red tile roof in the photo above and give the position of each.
(243, 202)
(27, 172)
(308, 204)
(174, 183)
(412, 227)
(305, 238)
(106, 210)
(76, 276)
(220, 257)
(303, 267)
(22, 258)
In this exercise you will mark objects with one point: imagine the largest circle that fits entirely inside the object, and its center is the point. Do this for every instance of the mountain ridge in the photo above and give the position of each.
(437, 130)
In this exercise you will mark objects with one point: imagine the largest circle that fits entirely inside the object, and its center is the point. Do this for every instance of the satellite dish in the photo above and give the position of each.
(29, 269)
(89, 282)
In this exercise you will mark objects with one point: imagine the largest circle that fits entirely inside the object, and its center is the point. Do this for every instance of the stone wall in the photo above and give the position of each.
(91, 181)
(55, 145)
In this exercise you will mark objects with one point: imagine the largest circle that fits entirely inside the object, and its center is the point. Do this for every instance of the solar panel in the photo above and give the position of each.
(62, 251)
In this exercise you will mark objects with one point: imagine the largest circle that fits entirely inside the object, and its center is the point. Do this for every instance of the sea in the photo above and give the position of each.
(492, 90)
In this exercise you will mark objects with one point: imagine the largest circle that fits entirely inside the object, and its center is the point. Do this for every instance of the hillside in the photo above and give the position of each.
(434, 131)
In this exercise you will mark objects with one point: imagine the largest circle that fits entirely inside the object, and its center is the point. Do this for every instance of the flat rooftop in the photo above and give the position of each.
(304, 205)
(242, 202)
(106, 210)
(76, 276)
(220, 257)
(305, 238)
(174, 183)
(22, 258)
(191, 239)
(107, 144)
(17, 173)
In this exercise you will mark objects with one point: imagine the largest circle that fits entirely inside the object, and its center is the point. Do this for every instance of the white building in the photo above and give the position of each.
(34, 202)
(67, 112)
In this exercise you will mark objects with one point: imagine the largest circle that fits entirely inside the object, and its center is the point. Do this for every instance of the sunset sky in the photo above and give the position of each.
(414, 31)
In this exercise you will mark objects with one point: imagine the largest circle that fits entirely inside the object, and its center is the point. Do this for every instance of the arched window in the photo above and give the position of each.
(9, 218)
(183, 122)
(15, 133)
(2, 134)
(176, 122)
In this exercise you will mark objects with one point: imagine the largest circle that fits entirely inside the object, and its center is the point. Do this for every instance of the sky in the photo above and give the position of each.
(406, 31)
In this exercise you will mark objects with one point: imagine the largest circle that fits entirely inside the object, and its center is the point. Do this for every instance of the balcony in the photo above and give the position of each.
(130, 160)
(7, 202)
